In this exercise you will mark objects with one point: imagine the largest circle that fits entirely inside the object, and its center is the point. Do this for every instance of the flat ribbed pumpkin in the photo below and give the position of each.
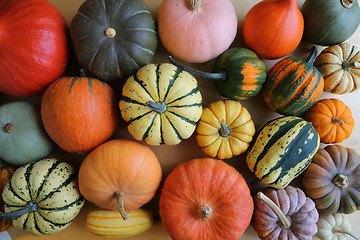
(161, 104)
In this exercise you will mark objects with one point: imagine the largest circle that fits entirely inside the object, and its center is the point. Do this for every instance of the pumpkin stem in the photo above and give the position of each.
(159, 107)
(345, 232)
(224, 130)
(220, 75)
(347, 3)
(120, 203)
(346, 65)
(341, 181)
(195, 4)
(337, 121)
(30, 207)
(204, 212)
(312, 56)
(110, 32)
(9, 128)
(284, 221)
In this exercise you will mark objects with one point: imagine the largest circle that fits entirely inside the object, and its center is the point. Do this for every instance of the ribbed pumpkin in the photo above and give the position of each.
(340, 66)
(42, 197)
(292, 85)
(225, 129)
(282, 150)
(161, 104)
(6, 173)
(332, 119)
(79, 113)
(113, 39)
(334, 227)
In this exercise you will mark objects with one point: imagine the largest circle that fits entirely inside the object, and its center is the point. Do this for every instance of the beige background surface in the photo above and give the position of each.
(170, 156)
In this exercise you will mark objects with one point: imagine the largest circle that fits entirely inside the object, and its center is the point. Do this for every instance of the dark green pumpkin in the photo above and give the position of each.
(113, 38)
(330, 22)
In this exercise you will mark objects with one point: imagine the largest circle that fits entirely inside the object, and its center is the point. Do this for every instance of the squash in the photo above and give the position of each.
(42, 197)
(238, 73)
(204, 198)
(334, 24)
(23, 138)
(79, 113)
(110, 224)
(34, 48)
(340, 66)
(196, 31)
(6, 172)
(332, 119)
(284, 214)
(225, 129)
(332, 180)
(161, 104)
(273, 29)
(120, 175)
(334, 227)
(292, 85)
(283, 148)
(113, 39)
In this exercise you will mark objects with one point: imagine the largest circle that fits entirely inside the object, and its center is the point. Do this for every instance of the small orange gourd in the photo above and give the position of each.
(6, 173)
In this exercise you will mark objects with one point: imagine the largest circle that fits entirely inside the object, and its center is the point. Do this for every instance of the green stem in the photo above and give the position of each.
(120, 203)
(224, 130)
(30, 207)
(159, 107)
(312, 56)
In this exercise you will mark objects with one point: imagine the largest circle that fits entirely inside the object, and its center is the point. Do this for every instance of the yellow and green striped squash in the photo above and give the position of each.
(161, 104)
(108, 223)
(283, 149)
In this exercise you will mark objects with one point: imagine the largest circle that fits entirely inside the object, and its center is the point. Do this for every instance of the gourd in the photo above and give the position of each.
(340, 66)
(79, 113)
(23, 138)
(201, 196)
(284, 214)
(334, 24)
(34, 46)
(108, 223)
(225, 129)
(196, 31)
(273, 29)
(283, 148)
(334, 227)
(292, 85)
(113, 39)
(42, 197)
(161, 104)
(332, 119)
(238, 73)
(120, 175)
(331, 180)
(6, 172)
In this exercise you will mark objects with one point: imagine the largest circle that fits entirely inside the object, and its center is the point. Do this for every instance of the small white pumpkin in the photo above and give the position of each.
(334, 227)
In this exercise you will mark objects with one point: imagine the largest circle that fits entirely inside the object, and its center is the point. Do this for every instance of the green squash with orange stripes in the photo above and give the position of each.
(293, 85)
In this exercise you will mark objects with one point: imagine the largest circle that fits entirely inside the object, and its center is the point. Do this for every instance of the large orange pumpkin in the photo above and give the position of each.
(205, 199)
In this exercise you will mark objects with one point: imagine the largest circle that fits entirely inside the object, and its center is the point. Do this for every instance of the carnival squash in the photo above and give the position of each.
(34, 49)
(120, 175)
(79, 113)
(225, 129)
(334, 227)
(6, 172)
(113, 39)
(196, 31)
(205, 199)
(161, 104)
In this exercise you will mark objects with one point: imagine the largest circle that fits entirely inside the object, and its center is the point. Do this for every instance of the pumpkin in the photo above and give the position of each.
(120, 175)
(6, 173)
(284, 214)
(340, 66)
(113, 39)
(161, 104)
(23, 138)
(292, 85)
(196, 31)
(79, 113)
(42, 197)
(283, 148)
(334, 227)
(334, 24)
(34, 49)
(204, 198)
(238, 73)
(332, 180)
(108, 223)
(225, 129)
(332, 119)
(273, 29)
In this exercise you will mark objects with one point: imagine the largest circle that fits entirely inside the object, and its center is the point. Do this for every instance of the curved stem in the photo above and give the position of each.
(344, 232)
(221, 75)
(159, 107)
(30, 207)
(8, 128)
(204, 212)
(120, 203)
(224, 130)
(348, 65)
(312, 56)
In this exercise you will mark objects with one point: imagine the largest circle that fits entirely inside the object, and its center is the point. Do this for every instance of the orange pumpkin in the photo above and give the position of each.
(203, 199)
(6, 173)
(79, 113)
(120, 175)
(332, 119)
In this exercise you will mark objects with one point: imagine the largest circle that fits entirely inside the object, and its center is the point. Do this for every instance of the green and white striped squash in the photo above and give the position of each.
(161, 104)
(42, 197)
(283, 149)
